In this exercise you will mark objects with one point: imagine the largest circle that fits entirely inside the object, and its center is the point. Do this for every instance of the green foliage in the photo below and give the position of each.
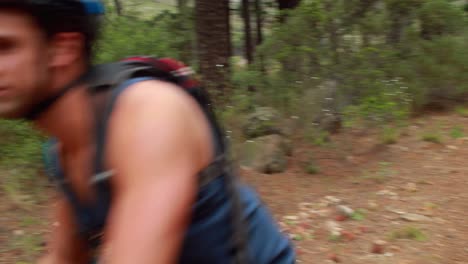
(21, 146)
(389, 102)
(390, 135)
(334, 238)
(336, 40)
(432, 136)
(316, 136)
(310, 166)
(439, 17)
(359, 215)
(462, 111)
(20, 157)
(164, 33)
(29, 244)
(409, 232)
(457, 132)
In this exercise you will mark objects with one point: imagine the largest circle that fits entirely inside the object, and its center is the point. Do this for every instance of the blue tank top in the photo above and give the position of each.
(208, 238)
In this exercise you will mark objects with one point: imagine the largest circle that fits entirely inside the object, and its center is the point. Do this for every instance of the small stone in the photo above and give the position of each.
(372, 205)
(304, 215)
(334, 257)
(341, 218)
(291, 218)
(18, 232)
(334, 228)
(348, 235)
(305, 206)
(388, 254)
(395, 211)
(386, 193)
(411, 187)
(345, 210)
(364, 229)
(452, 147)
(403, 148)
(414, 217)
(378, 247)
(395, 248)
(333, 199)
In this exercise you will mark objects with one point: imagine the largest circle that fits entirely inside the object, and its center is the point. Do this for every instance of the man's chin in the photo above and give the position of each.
(11, 113)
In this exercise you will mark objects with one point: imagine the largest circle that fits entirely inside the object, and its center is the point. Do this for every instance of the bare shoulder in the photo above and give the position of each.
(156, 115)
(156, 94)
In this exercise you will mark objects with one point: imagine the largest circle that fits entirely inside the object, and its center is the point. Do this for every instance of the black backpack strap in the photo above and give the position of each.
(239, 224)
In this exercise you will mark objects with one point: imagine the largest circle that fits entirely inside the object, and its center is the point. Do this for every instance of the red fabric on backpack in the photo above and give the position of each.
(181, 72)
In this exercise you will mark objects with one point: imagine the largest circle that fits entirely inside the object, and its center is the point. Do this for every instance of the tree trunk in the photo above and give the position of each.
(288, 4)
(259, 31)
(284, 5)
(259, 21)
(214, 44)
(118, 7)
(247, 31)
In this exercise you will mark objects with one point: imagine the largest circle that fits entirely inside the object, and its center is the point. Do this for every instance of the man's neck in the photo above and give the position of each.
(69, 119)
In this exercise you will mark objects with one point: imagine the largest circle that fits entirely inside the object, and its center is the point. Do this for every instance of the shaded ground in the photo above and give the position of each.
(383, 184)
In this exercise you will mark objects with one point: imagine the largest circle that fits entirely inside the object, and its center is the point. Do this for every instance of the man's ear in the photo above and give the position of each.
(66, 49)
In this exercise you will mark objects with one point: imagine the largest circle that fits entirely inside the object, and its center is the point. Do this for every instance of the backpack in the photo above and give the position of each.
(108, 77)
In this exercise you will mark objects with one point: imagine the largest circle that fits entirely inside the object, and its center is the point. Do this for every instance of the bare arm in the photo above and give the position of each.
(156, 149)
(64, 245)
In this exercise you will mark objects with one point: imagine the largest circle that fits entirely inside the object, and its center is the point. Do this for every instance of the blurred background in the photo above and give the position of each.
(348, 116)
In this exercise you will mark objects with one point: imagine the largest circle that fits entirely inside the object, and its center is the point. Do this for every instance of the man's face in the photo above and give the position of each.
(24, 57)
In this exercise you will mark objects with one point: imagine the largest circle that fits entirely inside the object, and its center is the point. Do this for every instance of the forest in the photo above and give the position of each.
(320, 99)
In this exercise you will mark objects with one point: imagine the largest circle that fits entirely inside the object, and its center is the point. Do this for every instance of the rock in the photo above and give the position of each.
(389, 254)
(304, 215)
(378, 247)
(266, 154)
(263, 121)
(333, 199)
(395, 211)
(345, 210)
(291, 218)
(324, 104)
(330, 123)
(386, 193)
(348, 235)
(411, 187)
(334, 228)
(372, 205)
(341, 218)
(364, 229)
(452, 147)
(334, 257)
(415, 217)
(395, 248)
(18, 232)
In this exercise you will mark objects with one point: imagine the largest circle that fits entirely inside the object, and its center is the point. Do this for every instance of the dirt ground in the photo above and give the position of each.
(404, 203)
(412, 195)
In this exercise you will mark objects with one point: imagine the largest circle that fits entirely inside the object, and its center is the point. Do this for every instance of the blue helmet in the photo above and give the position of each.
(93, 7)
(90, 7)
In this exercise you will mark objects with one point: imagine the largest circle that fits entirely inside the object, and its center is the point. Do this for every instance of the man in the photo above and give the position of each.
(157, 141)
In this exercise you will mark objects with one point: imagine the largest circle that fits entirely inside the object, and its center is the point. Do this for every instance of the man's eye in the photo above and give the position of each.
(6, 46)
